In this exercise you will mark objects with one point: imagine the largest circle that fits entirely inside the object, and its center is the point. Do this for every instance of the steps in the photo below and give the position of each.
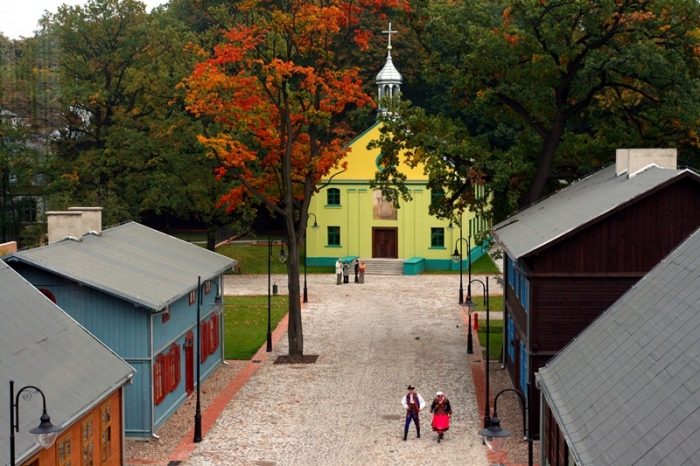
(383, 266)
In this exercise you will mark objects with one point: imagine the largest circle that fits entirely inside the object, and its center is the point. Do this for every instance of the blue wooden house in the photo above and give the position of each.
(138, 290)
(82, 380)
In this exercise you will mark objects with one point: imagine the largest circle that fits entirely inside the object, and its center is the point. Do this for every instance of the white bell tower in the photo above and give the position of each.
(389, 79)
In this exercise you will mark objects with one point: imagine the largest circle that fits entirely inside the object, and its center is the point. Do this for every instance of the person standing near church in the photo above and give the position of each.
(339, 270)
(346, 272)
(442, 411)
(356, 263)
(362, 271)
(413, 403)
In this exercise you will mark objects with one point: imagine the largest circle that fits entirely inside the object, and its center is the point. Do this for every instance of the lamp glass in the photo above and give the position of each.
(47, 440)
(315, 226)
(282, 256)
(494, 443)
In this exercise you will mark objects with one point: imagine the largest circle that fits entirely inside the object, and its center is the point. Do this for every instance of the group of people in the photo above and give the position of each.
(342, 271)
(441, 409)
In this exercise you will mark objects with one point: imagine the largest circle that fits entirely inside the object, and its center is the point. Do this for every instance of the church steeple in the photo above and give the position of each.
(389, 79)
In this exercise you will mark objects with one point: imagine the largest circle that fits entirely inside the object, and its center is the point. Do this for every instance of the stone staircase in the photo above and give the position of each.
(384, 266)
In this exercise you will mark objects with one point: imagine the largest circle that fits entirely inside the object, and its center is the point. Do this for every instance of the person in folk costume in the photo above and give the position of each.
(362, 272)
(413, 403)
(356, 263)
(442, 411)
(339, 270)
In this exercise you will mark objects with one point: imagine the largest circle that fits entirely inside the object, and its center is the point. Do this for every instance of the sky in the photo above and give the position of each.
(21, 17)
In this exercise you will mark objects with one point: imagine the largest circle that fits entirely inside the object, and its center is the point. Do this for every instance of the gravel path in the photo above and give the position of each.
(372, 341)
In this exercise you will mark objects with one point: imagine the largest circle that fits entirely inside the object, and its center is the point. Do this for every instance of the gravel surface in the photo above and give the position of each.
(415, 303)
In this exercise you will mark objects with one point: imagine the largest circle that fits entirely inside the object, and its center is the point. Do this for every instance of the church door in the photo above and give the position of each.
(385, 242)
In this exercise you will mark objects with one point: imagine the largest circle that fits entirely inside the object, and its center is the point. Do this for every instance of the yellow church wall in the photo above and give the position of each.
(357, 215)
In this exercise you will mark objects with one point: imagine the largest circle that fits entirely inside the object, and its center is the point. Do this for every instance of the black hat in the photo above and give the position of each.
(411, 387)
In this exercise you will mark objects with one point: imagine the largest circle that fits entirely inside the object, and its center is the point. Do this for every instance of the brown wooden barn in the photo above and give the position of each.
(570, 256)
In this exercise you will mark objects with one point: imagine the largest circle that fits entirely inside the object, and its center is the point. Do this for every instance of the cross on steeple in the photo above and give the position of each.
(389, 33)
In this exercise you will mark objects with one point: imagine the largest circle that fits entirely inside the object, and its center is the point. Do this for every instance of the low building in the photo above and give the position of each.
(83, 381)
(571, 255)
(141, 292)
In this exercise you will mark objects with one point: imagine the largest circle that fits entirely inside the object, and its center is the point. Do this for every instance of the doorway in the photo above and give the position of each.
(385, 242)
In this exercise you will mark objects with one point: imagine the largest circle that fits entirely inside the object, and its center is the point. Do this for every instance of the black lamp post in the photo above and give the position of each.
(198, 407)
(282, 256)
(315, 227)
(485, 285)
(45, 431)
(495, 436)
(457, 257)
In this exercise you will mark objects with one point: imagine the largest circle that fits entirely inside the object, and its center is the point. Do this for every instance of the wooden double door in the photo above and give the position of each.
(385, 242)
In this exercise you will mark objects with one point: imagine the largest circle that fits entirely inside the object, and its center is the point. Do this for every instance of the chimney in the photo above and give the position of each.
(91, 219)
(62, 224)
(74, 222)
(634, 161)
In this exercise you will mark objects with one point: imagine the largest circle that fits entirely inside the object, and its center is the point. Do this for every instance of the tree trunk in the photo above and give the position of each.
(294, 330)
(544, 165)
(211, 237)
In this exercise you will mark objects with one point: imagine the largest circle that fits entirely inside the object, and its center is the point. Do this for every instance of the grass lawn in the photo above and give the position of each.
(495, 325)
(245, 328)
(253, 259)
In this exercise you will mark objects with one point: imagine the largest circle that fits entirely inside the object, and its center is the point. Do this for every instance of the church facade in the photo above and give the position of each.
(356, 221)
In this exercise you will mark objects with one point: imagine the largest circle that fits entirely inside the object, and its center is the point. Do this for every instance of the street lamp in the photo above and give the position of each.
(495, 437)
(485, 286)
(315, 227)
(46, 432)
(217, 302)
(457, 257)
(282, 256)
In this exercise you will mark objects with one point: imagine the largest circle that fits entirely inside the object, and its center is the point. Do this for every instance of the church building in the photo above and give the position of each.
(355, 221)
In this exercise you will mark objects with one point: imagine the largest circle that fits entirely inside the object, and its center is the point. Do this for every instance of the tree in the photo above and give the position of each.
(543, 91)
(276, 91)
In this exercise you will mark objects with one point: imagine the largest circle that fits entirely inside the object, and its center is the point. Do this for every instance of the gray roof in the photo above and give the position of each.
(132, 262)
(627, 389)
(576, 206)
(41, 345)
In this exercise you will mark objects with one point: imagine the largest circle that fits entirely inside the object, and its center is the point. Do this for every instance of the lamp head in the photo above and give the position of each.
(282, 256)
(494, 436)
(456, 256)
(46, 432)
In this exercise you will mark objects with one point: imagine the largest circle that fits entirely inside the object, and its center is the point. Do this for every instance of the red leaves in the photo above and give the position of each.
(273, 89)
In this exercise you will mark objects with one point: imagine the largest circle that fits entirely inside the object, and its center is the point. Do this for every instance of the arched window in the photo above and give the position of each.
(48, 294)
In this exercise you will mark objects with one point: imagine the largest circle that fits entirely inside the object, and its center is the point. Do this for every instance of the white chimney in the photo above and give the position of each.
(62, 224)
(634, 161)
(91, 219)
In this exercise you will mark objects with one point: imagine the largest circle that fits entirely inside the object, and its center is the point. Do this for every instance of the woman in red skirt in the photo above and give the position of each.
(442, 411)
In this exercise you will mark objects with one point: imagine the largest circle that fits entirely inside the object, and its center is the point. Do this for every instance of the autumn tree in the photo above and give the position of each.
(276, 90)
(542, 92)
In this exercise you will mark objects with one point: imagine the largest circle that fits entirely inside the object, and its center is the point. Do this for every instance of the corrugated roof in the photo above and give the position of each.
(627, 389)
(582, 202)
(41, 345)
(132, 262)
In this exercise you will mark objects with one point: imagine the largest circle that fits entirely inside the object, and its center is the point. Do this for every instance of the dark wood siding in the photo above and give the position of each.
(633, 239)
(566, 306)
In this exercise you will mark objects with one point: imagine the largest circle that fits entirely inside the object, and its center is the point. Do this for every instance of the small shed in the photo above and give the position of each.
(83, 381)
(626, 390)
(571, 255)
(138, 290)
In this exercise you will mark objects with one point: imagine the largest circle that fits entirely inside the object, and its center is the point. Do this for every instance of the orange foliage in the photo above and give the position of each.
(272, 89)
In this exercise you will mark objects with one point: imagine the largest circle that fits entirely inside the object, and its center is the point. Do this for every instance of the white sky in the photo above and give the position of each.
(21, 17)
